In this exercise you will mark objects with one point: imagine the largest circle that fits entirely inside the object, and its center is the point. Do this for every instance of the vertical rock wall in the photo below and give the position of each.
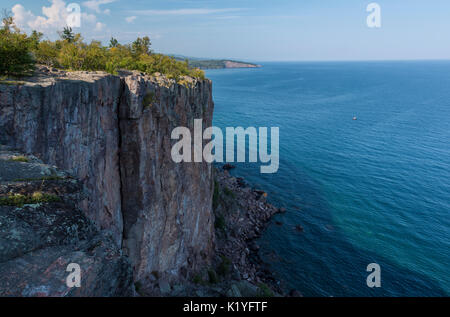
(113, 133)
(71, 123)
(168, 225)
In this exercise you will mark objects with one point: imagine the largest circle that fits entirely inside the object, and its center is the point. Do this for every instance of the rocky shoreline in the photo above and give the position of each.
(246, 213)
(241, 216)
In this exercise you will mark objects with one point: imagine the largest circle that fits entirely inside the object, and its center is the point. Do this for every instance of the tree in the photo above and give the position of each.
(8, 21)
(67, 34)
(19, 53)
(15, 50)
(113, 42)
(35, 39)
(141, 46)
(47, 53)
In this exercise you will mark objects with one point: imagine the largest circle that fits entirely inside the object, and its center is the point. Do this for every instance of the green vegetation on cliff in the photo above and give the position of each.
(15, 57)
(19, 53)
(19, 200)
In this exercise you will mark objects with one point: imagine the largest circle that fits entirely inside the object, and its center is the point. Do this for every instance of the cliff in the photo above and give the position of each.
(233, 64)
(214, 63)
(113, 134)
(42, 232)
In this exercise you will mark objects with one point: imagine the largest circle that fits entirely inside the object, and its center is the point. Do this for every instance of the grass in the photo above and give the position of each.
(18, 200)
(20, 158)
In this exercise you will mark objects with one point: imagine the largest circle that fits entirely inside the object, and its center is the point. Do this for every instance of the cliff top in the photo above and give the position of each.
(45, 76)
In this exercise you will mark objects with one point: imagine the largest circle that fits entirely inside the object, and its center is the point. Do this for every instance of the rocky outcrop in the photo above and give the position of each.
(168, 222)
(42, 232)
(233, 64)
(242, 214)
(113, 134)
(70, 120)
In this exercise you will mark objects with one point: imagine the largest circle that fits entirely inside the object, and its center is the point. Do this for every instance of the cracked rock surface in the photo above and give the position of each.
(39, 240)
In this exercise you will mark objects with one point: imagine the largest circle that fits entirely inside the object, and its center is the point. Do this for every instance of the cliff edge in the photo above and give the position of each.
(113, 134)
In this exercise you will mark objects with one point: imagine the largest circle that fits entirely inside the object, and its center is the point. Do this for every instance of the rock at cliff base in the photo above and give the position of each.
(42, 232)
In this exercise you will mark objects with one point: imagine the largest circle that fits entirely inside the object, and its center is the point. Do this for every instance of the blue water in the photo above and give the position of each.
(374, 190)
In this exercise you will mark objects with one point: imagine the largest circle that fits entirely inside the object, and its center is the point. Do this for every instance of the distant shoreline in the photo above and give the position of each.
(215, 63)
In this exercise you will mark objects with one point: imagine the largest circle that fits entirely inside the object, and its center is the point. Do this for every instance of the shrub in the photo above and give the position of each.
(47, 53)
(19, 52)
(19, 200)
(15, 53)
(20, 158)
(95, 56)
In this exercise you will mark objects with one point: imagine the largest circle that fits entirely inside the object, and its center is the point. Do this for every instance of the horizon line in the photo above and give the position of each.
(311, 60)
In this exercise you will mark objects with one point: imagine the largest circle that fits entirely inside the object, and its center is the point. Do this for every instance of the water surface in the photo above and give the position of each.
(375, 189)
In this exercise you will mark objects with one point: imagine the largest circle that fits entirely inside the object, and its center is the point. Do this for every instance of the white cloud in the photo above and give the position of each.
(88, 18)
(185, 11)
(99, 26)
(131, 19)
(54, 18)
(95, 5)
(21, 16)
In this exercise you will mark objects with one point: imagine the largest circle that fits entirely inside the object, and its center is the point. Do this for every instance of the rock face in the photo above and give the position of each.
(168, 222)
(113, 133)
(242, 214)
(38, 240)
(71, 123)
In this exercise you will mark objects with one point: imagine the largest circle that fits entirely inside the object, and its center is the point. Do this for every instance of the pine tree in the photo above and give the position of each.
(67, 34)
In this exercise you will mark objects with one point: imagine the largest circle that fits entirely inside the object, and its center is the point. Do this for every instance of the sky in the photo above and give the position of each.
(255, 30)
